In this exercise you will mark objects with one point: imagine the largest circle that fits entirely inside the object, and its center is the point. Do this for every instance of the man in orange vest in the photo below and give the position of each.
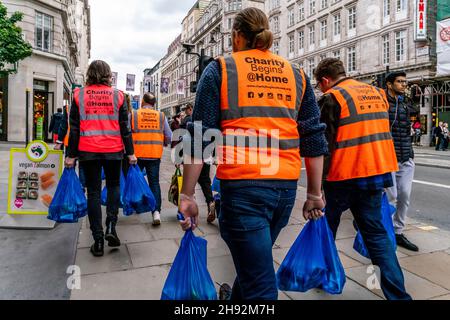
(151, 132)
(362, 159)
(261, 104)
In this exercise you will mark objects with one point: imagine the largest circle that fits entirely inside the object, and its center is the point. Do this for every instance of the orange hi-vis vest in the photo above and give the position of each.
(261, 94)
(99, 118)
(364, 146)
(148, 133)
(66, 138)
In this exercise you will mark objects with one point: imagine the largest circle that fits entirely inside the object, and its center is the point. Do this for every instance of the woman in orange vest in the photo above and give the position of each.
(261, 104)
(99, 134)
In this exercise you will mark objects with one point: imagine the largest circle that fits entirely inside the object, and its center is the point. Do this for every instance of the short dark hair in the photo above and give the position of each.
(149, 98)
(99, 72)
(330, 67)
(59, 110)
(392, 76)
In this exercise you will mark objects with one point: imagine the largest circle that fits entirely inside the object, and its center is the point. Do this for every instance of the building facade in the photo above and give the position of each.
(151, 83)
(59, 32)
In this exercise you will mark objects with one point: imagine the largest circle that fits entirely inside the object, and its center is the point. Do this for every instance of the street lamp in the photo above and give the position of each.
(214, 41)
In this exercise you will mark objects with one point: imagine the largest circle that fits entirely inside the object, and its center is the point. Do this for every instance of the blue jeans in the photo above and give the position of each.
(152, 170)
(251, 219)
(366, 209)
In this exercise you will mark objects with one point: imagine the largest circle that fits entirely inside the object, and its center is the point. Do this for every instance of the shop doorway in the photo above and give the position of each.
(3, 109)
(43, 109)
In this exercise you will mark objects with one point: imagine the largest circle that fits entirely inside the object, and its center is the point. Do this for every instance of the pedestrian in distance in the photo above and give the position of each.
(440, 136)
(446, 136)
(257, 198)
(359, 167)
(151, 132)
(99, 134)
(417, 126)
(399, 115)
(55, 122)
(204, 180)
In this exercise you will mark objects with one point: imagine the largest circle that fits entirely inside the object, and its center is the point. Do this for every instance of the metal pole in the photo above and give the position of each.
(27, 102)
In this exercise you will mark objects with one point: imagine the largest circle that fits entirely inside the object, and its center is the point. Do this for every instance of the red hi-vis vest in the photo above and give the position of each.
(364, 146)
(261, 96)
(66, 138)
(148, 133)
(99, 118)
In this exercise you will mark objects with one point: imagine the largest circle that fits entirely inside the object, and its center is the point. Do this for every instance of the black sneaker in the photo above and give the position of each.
(402, 241)
(97, 249)
(224, 292)
(111, 235)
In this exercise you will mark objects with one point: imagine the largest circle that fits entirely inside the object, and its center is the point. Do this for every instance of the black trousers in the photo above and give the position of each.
(205, 183)
(93, 173)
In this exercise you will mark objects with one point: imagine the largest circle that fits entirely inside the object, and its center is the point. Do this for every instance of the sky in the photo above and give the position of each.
(132, 35)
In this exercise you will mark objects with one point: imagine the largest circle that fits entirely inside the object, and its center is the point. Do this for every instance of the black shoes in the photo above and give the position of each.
(111, 235)
(224, 292)
(405, 243)
(97, 249)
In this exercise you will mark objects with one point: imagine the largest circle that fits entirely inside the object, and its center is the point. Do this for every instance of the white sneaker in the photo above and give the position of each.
(156, 218)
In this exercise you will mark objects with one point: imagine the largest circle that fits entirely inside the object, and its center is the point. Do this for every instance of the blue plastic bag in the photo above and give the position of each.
(189, 278)
(69, 203)
(312, 262)
(137, 196)
(386, 214)
(216, 185)
(104, 194)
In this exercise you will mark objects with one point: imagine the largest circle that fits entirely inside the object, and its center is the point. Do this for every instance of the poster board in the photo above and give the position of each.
(34, 173)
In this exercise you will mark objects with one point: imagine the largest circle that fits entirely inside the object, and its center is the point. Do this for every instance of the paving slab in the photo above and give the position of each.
(352, 291)
(169, 230)
(135, 284)
(417, 287)
(216, 246)
(153, 253)
(346, 230)
(207, 228)
(434, 267)
(427, 242)
(113, 260)
(288, 236)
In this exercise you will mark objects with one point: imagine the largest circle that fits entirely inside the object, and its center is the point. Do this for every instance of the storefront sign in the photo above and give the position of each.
(34, 174)
(443, 48)
(423, 51)
(420, 20)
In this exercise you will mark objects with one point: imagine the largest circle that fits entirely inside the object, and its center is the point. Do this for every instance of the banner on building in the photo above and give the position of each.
(181, 83)
(165, 85)
(114, 79)
(34, 174)
(420, 20)
(443, 10)
(148, 85)
(443, 48)
(131, 80)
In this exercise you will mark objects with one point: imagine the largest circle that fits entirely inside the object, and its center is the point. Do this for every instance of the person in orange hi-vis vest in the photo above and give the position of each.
(151, 132)
(260, 104)
(99, 134)
(362, 158)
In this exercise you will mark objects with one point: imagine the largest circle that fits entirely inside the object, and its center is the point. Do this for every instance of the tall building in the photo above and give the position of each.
(59, 32)
(370, 37)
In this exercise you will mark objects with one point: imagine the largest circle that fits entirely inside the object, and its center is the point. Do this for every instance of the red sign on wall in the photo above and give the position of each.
(421, 20)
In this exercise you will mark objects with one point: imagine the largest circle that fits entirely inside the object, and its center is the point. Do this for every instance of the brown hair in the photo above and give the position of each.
(99, 72)
(149, 98)
(128, 100)
(330, 67)
(254, 25)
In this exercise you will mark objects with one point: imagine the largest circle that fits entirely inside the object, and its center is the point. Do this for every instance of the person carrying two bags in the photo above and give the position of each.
(151, 132)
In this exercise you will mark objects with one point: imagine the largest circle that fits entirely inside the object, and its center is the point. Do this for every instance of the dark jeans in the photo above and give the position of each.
(93, 172)
(152, 170)
(366, 209)
(251, 219)
(205, 183)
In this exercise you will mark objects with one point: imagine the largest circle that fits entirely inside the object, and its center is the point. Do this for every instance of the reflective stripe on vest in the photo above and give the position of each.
(261, 97)
(99, 119)
(364, 145)
(148, 139)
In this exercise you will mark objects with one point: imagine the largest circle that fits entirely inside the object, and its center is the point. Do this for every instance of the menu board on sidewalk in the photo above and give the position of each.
(34, 174)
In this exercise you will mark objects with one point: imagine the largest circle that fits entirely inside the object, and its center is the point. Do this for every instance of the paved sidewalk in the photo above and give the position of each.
(139, 268)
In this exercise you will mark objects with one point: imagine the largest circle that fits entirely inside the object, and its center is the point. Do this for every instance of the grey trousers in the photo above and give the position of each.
(400, 194)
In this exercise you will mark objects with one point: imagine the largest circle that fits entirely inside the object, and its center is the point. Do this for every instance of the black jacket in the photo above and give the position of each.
(55, 122)
(400, 121)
